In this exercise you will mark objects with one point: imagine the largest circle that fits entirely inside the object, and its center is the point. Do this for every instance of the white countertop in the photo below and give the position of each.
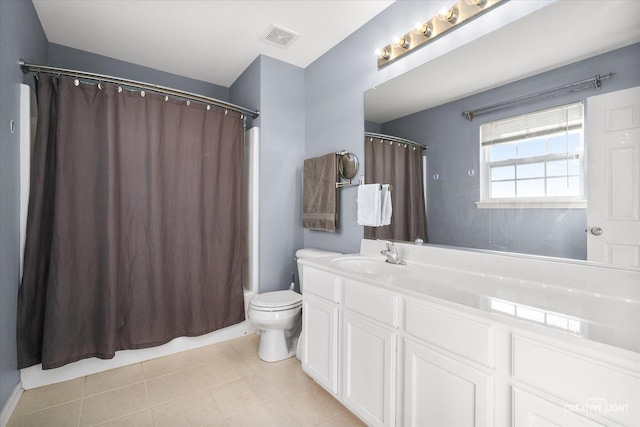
(607, 313)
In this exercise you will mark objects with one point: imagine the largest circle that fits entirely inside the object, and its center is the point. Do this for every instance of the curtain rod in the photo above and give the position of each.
(32, 68)
(593, 82)
(394, 139)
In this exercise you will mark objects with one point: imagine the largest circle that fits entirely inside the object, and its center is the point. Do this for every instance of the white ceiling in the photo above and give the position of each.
(558, 34)
(208, 40)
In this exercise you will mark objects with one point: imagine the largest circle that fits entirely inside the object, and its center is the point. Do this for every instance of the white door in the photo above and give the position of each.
(368, 376)
(320, 346)
(439, 391)
(613, 181)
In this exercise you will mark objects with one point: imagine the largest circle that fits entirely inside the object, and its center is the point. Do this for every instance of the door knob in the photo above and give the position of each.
(596, 231)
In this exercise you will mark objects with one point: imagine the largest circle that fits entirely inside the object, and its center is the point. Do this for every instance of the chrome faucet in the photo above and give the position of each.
(391, 253)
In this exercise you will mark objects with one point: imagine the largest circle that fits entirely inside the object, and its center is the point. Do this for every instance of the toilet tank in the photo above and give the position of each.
(311, 253)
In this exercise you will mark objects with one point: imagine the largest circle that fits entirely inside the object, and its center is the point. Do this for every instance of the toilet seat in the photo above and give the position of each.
(276, 301)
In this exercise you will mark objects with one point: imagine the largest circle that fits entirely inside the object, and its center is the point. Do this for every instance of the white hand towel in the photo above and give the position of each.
(369, 207)
(385, 217)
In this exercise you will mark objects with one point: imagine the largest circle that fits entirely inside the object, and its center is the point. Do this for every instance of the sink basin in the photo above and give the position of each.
(369, 265)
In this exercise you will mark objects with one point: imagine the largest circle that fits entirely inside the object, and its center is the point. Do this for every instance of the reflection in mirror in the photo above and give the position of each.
(399, 163)
(426, 105)
(348, 166)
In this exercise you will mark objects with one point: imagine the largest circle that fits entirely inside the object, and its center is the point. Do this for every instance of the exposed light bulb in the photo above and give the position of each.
(382, 53)
(404, 42)
(448, 14)
(425, 29)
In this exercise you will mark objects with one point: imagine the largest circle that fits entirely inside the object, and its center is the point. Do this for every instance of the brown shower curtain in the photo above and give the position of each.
(400, 166)
(134, 226)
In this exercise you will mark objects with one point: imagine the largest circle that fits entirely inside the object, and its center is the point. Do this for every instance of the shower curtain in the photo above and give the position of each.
(400, 166)
(134, 226)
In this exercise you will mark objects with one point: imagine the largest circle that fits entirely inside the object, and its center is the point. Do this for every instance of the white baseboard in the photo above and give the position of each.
(11, 404)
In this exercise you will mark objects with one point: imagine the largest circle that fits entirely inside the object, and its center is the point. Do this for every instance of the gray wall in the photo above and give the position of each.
(372, 127)
(245, 91)
(22, 37)
(281, 157)
(67, 57)
(453, 218)
(335, 86)
(278, 89)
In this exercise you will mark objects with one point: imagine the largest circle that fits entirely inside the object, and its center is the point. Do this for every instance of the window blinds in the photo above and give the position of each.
(539, 123)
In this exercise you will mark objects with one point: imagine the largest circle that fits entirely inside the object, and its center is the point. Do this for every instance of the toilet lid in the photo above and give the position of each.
(276, 299)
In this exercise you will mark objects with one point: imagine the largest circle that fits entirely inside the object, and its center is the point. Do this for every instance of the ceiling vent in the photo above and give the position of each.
(280, 36)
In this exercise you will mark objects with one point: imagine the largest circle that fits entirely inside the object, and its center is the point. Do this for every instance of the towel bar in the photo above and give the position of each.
(348, 183)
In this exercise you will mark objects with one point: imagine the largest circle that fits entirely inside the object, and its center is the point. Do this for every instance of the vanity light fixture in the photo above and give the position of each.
(448, 19)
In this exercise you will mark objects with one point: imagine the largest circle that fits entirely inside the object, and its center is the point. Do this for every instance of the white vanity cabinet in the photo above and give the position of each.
(320, 322)
(396, 357)
(369, 340)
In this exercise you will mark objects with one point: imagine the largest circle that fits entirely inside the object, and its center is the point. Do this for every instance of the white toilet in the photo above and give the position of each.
(278, 317)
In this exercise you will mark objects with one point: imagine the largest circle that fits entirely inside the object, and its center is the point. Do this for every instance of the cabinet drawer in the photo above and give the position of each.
(371, 302)
(321, 283)
(577, 379)
(464, 337)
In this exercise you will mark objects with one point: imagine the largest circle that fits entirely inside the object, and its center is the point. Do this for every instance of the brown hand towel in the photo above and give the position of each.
(320, 199)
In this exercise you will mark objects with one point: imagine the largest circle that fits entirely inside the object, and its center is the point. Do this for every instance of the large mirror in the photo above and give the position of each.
(560, 44)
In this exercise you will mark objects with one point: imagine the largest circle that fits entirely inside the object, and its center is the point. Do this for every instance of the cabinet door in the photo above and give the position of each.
(577, 378)
(440, 391)
(369, 366)
(532, 411)
(320, 347)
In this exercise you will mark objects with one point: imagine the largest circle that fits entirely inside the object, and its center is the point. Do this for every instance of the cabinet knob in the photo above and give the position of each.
(596, 231)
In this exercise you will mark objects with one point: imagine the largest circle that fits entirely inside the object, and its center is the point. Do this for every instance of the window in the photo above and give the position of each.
(534, 160)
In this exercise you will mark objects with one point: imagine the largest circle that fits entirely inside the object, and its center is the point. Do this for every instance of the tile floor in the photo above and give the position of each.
(223, 384)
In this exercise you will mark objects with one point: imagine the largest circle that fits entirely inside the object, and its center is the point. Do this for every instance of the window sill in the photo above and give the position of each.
(532, 204)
